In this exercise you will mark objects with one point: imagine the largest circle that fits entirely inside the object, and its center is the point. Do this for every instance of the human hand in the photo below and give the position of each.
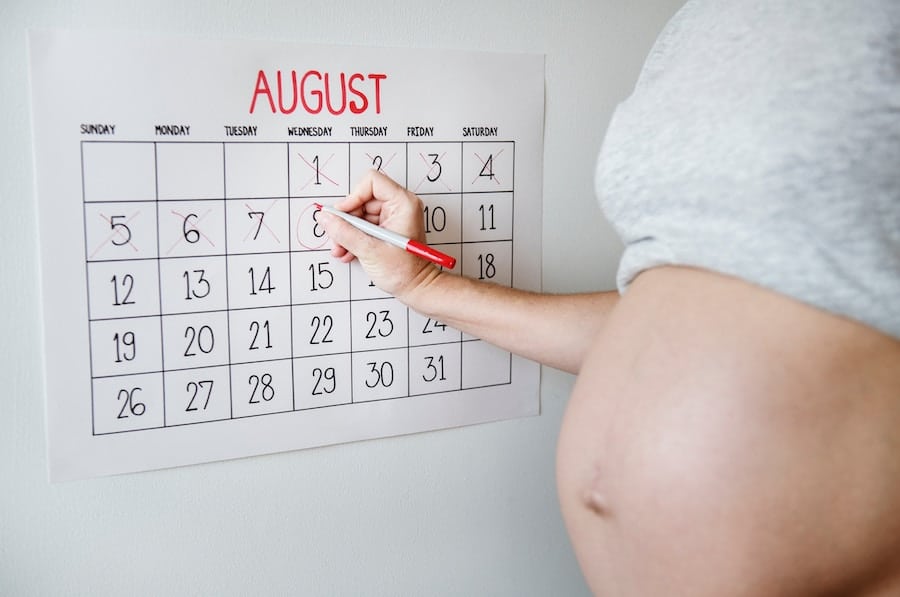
(382, 201)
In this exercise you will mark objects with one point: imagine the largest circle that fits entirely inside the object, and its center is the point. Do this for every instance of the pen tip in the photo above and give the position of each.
(318, 205)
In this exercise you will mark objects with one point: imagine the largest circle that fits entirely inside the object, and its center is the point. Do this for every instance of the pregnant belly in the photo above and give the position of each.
(724, 440)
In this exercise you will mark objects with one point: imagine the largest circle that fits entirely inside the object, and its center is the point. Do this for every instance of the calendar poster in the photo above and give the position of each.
(192, 310)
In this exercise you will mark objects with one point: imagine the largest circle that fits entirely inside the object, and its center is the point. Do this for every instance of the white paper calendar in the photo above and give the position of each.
(192, 310)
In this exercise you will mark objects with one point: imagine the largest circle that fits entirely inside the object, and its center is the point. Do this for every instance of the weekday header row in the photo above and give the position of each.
(355, 131)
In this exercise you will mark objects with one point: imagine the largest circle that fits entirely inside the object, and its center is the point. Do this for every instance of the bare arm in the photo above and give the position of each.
(555, 330)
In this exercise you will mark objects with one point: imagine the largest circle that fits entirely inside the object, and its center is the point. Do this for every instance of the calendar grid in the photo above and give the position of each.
(254, 316)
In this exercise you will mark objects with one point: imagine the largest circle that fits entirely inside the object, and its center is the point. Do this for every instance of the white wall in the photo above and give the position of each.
(461, 512)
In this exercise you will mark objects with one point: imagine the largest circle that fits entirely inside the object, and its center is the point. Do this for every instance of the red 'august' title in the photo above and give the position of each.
(315, 91)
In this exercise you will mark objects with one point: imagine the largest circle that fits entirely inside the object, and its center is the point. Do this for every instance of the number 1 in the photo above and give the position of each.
(316, 162)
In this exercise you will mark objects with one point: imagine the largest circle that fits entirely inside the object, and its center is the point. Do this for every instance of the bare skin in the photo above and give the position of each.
(721, 439)
(724, 440)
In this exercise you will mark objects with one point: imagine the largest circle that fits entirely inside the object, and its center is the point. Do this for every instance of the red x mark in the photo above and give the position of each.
(317, 170)
(481, 173)
(261, 223)
(116, 231)
(193, 228)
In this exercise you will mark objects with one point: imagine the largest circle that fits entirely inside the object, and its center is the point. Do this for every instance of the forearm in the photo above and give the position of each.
(556, 330)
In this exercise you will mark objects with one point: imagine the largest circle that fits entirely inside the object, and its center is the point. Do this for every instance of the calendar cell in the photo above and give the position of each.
(487, 166)
(443, 219)
(424, 331)
(128, 403)
(197, 395)
(434, 167)
(120, 231)
(256, 170)
(389, 158)
(257, 225)
(491, 261)
(322, 381)
(378, 324)
(259, 280)
(193, 284)
(361, 285)
(484, 364)
(190, 170)
(191, 228)
(487, 217)
(380, 374)
(316, 277)
(321, 329)
(119, 289)
(122, 346)
(261, 388)
(319, 169)
(260, 334)
(306, 233)
(435, 368)
(195, 340)
(118, 171)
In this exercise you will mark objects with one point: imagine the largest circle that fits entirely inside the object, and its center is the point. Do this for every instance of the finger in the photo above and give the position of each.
(373, 208)
(350, 240)
(374, 186)
(347, 258)
(338, 251)
(359, 212)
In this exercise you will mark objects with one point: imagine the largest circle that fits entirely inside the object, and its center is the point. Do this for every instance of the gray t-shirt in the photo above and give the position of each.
(762, 140)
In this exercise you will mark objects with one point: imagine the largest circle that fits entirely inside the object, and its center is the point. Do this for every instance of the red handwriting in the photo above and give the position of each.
(315, 91)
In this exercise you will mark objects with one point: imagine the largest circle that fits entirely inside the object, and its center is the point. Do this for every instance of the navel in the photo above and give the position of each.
(594, 498)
